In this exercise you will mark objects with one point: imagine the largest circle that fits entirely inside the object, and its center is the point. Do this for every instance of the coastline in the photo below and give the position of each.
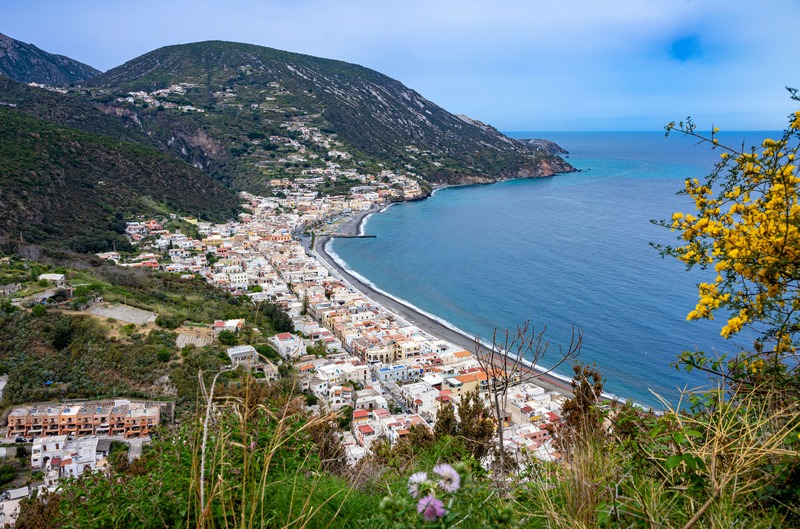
(426, 323)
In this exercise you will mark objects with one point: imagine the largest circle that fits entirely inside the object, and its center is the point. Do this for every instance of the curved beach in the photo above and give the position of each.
(422, 321)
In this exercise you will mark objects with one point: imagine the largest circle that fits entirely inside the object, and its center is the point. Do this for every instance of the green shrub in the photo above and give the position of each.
(7, 474)
(170, 322)
(227, 337)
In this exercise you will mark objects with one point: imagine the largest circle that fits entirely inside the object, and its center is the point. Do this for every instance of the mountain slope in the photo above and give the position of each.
(28, 64)
(68, 110)
(73, 189)
(233, 93)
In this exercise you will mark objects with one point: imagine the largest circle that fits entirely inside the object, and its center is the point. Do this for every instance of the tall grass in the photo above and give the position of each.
(261, 469)
(717, 467)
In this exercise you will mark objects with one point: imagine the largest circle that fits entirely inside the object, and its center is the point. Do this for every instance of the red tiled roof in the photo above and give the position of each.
(366, 429)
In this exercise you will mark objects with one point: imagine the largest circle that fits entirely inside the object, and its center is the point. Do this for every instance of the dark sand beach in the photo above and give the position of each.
(429, 325)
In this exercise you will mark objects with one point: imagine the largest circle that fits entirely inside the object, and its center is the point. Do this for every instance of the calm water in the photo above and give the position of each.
(562, 252)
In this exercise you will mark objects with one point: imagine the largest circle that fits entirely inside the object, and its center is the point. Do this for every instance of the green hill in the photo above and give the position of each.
(230, 107)
(72, 188)
(28, 64)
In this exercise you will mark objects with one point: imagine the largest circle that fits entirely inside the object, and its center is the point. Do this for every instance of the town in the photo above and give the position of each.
(349, 354)
(348, 350)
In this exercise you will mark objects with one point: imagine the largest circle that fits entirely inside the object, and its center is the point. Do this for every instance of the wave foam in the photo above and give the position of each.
(449, 325)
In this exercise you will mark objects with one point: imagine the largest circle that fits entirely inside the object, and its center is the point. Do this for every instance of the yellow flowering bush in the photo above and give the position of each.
(746, 225)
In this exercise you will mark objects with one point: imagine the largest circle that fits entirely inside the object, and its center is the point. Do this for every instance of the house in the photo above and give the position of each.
(365, 435)
(288, 345)
(340, 396)
(57, 280)
(243, 355)
(234, 326)
(269, 369)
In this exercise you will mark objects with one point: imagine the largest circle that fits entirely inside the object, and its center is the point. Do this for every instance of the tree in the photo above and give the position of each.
(475, 424)
(511, 361)
(7, 474)
(304, 310)
(446, 422)
(747, 228)
(580, 412)
(227, 337)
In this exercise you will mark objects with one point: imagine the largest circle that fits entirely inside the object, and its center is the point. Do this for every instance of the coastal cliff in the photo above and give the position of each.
(265, 121)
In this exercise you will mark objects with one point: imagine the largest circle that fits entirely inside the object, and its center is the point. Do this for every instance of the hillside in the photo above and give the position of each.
(28, 64)
(156, 133)
(68, 110)
(246, 113)
(73, 188)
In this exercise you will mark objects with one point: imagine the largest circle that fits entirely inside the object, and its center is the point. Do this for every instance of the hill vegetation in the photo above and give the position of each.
(73, 187)
(724, 457)
(69, 110)
(249, 92)
(148, 135)
(28, 64)
(62, 352)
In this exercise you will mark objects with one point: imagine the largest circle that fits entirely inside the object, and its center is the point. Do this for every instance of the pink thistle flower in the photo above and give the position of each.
(414, 483)
(450, 480)
(431, 508)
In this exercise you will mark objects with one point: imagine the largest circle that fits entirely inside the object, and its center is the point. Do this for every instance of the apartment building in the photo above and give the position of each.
(123, 418)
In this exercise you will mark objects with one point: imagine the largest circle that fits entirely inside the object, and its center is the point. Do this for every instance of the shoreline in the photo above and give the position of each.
(424, 322)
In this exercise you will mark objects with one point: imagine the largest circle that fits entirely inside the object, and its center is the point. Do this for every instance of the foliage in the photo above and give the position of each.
(82, 180)
(747, 227)
(74, 353)
(170, 322)
(475, 427)
(7, 474)
(446, 421)
(580, 412)
(475, 424)
(227, 337)
(442, 498)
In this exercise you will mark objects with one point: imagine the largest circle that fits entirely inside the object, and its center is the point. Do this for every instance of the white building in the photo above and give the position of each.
(243, 355)
(288, 345)
(66, 456)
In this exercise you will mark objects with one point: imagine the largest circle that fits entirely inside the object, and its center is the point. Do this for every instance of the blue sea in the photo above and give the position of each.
(568, 252)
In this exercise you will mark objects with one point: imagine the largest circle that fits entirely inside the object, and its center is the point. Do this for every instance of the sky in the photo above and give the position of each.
(519, 65)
